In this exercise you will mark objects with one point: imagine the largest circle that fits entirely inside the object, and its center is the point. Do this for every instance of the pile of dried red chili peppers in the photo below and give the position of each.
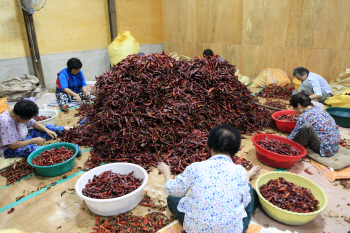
(289, 196)
(275, 104)
(153, 108)
(53, 156)
(17, 171)
(111, 185)
(41, 118)
(276, 92)
(277, 147)
(287, 117)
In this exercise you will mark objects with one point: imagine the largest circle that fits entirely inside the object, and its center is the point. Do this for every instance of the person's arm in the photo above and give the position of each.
(19, 144)
(316, 87)
(84, 86)
(298, 126)
(165, 170)
(244, 188)
(41, 127)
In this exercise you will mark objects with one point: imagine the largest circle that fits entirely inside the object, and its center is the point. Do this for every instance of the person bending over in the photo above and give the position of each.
(314, 127)
(15, 138)
(210, 53)
(314, 85)
(221, 198)
(71, 85)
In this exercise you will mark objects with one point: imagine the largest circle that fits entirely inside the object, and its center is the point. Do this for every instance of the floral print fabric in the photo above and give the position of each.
(219, 194)
(325, 127)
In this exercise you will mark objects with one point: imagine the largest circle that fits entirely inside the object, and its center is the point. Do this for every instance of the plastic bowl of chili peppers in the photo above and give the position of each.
(277, 151)
(285, 120)
(290, 198)
(46, 116)
(112, 189)
(53, 159)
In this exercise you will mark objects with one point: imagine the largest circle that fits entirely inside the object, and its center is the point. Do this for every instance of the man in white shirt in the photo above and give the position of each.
(316, 86)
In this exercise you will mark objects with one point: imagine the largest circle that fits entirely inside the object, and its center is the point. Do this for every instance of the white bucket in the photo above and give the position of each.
(118, 205)
(48, 113)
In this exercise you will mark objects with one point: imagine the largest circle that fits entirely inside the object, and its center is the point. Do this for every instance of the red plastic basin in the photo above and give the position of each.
(285, 126)
(273, 159)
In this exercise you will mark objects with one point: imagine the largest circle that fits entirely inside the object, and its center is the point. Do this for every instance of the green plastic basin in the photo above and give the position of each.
(57, 169)
(340, 115)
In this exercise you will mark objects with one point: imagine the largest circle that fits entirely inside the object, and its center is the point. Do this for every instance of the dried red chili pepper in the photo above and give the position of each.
(111, 185)
(345, 143)
(278, 147)
(41, 118)
(275, 104)
(289, 196)
(11, 210)
(63, 192)
(53, 156)
(17, 171)
(276, 92)
(308, 171)
(287, 117)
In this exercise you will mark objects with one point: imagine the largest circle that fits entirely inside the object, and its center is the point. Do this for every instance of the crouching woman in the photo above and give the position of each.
(221, 198)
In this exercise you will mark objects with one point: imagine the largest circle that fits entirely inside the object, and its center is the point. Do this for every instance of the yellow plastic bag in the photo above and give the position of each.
(342, 83)
(3, 104)
(122, 46)
(340, 100)
(271, 77)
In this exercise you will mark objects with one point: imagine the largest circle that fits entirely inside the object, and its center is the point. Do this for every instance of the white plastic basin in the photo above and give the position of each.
(48, 113)
(118, 205)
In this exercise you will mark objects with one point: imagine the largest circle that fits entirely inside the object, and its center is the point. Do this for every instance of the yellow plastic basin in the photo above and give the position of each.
(289, 217)
(296, 84)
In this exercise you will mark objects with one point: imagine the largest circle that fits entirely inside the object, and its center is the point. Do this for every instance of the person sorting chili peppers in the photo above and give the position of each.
(15, 138)
(71, 85)
(314, 85)
(210, 53)
(314, 126)
(221, 198)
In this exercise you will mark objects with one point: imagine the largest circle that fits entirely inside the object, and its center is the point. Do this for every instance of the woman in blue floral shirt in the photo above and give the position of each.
(314, 127)
(221, 198)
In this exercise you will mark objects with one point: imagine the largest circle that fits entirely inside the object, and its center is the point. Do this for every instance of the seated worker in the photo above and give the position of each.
(314, 85)
(221, 198)
(15, 139)
(209, 53)
(71, 85)
(314, 127)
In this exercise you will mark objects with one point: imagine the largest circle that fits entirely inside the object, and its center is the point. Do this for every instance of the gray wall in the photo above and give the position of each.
(95, 63)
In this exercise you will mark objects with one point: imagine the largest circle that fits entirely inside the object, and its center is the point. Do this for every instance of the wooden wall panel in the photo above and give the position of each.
(144, 19)
(326, 24)
(185, 48)
(272, 22)
(180, 20)
(220, 23)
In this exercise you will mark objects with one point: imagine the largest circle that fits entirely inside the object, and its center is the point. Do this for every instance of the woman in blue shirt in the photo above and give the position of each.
(71, 85)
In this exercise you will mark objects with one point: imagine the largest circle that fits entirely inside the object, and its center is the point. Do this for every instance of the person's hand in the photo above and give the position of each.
(52, 134)
(163, 168)
(77, 98)
(39, 141)
(87, 95)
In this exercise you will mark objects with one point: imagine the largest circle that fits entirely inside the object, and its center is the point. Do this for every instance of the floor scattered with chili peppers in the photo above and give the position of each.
(46, 211)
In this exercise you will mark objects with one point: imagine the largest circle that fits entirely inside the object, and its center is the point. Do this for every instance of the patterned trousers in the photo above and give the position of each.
(63, 98)
(32, 133)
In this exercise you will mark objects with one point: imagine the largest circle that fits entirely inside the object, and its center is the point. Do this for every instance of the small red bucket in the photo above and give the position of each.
(285, 126)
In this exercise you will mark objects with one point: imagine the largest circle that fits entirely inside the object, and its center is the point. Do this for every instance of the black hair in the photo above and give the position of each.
(300, 71)
(301, 98)
(26, 109)
(74, 63)
(224, 139)
(208, 53)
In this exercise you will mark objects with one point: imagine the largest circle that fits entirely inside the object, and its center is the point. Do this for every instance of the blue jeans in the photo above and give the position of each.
(25, 151)
(173, 202)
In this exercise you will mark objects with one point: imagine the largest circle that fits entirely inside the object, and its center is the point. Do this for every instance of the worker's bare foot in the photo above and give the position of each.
(66, 108)
(255, 171)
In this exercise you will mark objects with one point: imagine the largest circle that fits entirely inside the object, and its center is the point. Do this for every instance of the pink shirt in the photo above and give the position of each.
(11, 132)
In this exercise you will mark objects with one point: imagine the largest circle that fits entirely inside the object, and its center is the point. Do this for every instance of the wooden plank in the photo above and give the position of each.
(112, 19)
(220, 23)
(325, 24)
(272, 23)
(180, 20)
(34, 47)
(144, 19)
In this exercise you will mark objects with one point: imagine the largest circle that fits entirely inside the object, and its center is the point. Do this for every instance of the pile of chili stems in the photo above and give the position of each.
(277, 92)
(53, 156)
(41, 118)
(287, 117)
(153, 108)
(17, 171)
(111, 185)
(277, 147)
(289, 196)
(275, 104)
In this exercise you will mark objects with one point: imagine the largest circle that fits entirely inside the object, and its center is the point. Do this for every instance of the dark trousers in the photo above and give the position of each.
(173, 202)
(308, 135)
